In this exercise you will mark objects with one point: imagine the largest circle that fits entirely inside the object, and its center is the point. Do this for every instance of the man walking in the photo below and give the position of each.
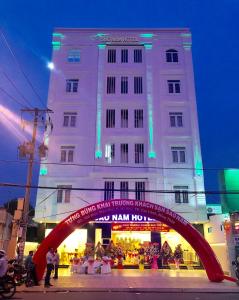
(49, 266)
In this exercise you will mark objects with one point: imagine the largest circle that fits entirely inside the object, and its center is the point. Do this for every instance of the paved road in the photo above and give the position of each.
(125, 296)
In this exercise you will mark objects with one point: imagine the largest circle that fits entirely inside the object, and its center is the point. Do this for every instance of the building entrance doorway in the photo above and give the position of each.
(144, 208)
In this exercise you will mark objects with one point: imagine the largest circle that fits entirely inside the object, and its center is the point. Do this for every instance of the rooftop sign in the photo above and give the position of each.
(119, 39)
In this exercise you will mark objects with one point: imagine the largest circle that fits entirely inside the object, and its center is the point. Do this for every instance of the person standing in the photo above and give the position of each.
(30, 267)
(56, 264)
(178, 256)
(99, 250)
(49, 266)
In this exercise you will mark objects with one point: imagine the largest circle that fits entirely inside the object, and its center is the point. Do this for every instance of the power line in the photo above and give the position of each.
(16, 88)
(21, 69)
(115, 166)
(6, 184)
(10, 96)
(66, 212)
(43, 200)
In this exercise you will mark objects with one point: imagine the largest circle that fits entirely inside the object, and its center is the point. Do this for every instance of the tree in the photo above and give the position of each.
(11, 206)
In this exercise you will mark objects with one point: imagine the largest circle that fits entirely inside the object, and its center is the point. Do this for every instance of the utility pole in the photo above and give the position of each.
(37, 113)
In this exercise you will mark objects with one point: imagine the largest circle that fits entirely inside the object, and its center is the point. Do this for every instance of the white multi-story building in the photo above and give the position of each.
(125, 121)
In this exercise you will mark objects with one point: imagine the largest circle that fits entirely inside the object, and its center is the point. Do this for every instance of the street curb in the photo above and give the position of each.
(131, 290)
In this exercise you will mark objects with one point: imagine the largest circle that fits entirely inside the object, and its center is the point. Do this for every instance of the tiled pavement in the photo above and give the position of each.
(136, 280)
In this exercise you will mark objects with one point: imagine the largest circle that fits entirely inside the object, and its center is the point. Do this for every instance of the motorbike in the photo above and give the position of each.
(19, 274)
(7, 287)
(236, 268)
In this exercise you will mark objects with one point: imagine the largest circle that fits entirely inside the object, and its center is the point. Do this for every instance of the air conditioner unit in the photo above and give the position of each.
(214, 209)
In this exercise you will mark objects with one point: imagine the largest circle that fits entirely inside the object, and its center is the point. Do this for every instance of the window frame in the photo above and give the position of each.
(110, 118)
(181, 194)
(124, 56)
(138, 55)
(140, 190)
(110, 152)
(124, 118)
(138, 85)
(176, 118)
(124, 153)
(172, 56)
(108, 190)
(111, 56)
(72, 85)
(178, 154)
(74, 57)
(174, 86)
(138, 154)
(110, 85)
(68, 118)
(63, 193)
(139, 118)
(67, 154)
(124, 190)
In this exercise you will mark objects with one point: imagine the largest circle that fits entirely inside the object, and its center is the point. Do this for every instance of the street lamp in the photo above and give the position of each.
(50, 65)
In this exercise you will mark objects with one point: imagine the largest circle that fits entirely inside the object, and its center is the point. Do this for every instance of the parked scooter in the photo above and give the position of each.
(235, 263)
(7, 287)
(19, 274)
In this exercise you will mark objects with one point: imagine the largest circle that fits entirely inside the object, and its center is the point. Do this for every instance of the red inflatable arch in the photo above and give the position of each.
(144, 208)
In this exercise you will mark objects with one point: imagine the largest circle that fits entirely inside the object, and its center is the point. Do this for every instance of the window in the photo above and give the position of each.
(174, 86)
(109, 190)
(124, 85)
(72, 85)
(139, 153)
(172, 55)
(176, 119)
(181, 194)
(111, 55)
(63, 193)
(110, 118)
(124, 55)
(69, 119)
(138, 85)
(138, 118)
(124, 118)
(110, 85)
(73, 56)
(137, 55)
(110, 152)
(139, 190)
(209, 229)
(124, 190)
(124, 153)
(178, 154)
(67, 153)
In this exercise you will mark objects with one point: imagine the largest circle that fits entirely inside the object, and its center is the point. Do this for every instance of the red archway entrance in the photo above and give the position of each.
(144, 208)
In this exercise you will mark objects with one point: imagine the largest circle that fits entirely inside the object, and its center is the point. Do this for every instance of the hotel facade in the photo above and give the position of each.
(125, 126)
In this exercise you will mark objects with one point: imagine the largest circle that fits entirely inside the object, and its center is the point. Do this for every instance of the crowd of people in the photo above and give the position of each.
(95, 259)
(99, 260)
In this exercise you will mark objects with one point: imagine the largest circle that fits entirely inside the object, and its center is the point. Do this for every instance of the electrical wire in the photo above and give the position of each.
(54, 215)
(43, 200)
(115, 166)
(21, 69)
(11, 97)
(16, 88)
(7, 184)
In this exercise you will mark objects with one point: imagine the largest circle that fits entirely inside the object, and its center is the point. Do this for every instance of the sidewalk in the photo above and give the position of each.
(137, 281)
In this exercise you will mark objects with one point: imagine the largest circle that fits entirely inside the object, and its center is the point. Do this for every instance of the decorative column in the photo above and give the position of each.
(200, 199)
(98, 149)
(149, 95)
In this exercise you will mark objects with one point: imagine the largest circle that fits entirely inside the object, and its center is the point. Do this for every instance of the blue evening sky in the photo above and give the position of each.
(28, 27)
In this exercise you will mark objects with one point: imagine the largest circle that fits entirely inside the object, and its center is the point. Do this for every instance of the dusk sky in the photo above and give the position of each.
(28, 26)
